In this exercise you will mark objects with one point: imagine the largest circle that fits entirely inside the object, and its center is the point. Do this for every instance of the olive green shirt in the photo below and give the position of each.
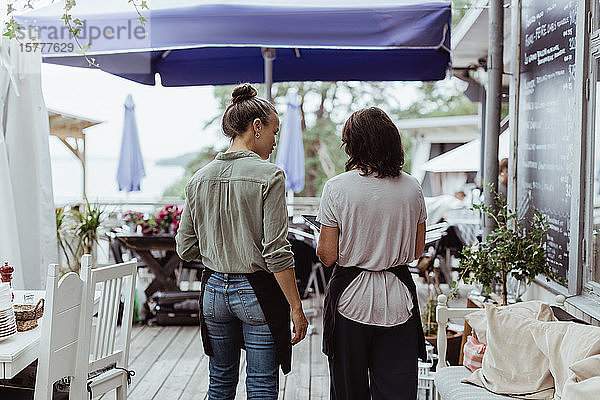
(235, 216)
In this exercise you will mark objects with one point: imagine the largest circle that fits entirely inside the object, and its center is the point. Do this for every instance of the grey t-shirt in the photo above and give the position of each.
(377, 220)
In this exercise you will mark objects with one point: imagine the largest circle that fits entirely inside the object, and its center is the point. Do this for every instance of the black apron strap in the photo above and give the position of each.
(206, 273)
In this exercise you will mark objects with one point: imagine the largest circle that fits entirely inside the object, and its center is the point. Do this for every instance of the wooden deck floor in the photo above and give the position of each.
(169, 364)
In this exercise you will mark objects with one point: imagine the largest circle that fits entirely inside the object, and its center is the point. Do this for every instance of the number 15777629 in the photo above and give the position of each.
(47, 47)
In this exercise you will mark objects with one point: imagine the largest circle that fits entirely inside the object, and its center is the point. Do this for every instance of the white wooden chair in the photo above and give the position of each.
(103, 353)
(60, 331)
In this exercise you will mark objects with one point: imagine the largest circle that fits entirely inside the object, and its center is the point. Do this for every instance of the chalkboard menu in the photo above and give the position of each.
(546, 120)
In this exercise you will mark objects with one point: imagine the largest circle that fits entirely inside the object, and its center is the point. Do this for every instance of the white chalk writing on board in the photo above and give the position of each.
(546, 124)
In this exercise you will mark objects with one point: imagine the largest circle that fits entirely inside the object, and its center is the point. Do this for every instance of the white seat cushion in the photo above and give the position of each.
(448, 385)
(565, 344)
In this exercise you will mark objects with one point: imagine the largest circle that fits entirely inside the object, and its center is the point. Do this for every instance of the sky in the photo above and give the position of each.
(170, 123)
(170, 120)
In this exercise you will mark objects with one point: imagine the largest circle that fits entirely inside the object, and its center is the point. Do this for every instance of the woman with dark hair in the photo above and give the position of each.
(373, 224)
(235, 218)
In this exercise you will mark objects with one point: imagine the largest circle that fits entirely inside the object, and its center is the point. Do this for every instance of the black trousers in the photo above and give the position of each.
(373, 362)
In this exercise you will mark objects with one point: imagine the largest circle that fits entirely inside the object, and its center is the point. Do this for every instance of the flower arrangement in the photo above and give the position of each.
(149, 226)
(133, 218)
(168, 218)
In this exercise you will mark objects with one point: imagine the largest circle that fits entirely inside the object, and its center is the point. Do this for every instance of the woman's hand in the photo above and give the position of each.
(287, 281)
(300, 325)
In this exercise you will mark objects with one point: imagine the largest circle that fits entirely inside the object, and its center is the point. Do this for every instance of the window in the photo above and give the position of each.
(591, 275)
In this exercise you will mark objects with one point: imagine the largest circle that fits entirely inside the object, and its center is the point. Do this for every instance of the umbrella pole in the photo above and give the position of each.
(290, 198)
(268, 55)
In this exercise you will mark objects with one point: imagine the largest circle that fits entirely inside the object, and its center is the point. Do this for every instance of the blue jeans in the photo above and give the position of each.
(233, 316)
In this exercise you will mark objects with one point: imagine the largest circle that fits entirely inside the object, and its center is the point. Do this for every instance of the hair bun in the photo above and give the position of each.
(243, 92)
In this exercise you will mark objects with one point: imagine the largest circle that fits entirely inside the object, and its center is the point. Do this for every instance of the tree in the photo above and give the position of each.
(203, 158)
(324, 108)
(459, 9)
(326, 105)
(437, 99)
(13, 30)
(517, 246)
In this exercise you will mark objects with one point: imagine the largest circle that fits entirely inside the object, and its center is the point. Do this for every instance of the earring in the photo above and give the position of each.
(257, 135)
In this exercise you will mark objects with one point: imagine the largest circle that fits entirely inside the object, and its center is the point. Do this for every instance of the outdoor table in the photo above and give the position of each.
(163, 268)
(21, 349)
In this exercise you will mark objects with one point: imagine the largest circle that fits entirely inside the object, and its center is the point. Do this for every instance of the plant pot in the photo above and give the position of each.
(454, 340)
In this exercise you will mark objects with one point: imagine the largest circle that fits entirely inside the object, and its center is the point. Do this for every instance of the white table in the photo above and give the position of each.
(21, 349)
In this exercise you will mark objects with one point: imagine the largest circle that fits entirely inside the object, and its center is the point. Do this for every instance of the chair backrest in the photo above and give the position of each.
(60, 330)
(108, 344)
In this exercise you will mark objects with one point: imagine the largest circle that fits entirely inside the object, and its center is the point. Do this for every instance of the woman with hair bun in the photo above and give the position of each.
(235, 219)
(373, 224)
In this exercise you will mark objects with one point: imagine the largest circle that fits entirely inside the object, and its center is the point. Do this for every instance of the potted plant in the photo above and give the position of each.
(62, 236)
(517, 247)
(149, 226)
(77, 232)
(133, 219)
(87, 224)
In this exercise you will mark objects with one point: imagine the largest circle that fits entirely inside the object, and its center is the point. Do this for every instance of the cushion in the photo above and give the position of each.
(473, 353)
(564, 344)
(512, 363)
(584, 382)
(584, 390)
(448, 385)
(586, 368)
(532, 309)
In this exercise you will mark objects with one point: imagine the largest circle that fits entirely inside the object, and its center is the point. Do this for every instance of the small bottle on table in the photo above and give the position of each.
(6, 272)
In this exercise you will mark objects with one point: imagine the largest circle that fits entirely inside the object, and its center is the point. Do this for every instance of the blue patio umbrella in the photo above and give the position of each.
(290, 151)
(208, 42)
(131, 165)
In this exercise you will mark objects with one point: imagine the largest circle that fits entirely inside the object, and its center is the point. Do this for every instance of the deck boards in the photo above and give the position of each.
(170, 364)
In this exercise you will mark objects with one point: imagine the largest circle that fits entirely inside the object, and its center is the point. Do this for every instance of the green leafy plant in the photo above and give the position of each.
(86, 227)
(73, 25)
(517, 246)
(62, 237)
(77, 231)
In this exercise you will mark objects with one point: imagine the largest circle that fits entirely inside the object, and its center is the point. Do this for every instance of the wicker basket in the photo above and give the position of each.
(27, 315)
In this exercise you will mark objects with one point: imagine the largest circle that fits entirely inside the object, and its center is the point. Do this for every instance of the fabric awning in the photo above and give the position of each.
(192, 42)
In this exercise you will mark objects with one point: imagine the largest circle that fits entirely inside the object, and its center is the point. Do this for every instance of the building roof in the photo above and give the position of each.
(453, 129)
(470, 37)
(64, 125)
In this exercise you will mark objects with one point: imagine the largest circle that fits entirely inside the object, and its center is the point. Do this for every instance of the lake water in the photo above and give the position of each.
(102, 180)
